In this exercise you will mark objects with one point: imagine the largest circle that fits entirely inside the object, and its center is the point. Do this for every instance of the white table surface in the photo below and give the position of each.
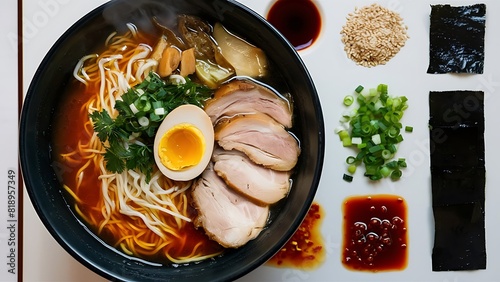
(335, 76)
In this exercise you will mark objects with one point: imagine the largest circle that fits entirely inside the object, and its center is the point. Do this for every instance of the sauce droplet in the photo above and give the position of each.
(298, 20)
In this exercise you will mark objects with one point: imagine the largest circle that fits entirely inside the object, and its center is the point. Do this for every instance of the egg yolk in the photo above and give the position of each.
(181, 146)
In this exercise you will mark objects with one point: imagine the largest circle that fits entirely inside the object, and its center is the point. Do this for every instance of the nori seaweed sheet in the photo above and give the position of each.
(456, 128)
(457, 39)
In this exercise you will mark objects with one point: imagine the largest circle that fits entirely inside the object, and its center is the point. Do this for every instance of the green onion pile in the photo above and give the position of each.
(374, 130)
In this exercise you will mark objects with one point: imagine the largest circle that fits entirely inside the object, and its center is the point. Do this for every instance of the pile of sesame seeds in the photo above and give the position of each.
(373, 35)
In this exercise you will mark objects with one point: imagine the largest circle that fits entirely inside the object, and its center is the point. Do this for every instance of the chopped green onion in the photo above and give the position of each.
(396, 174)
(385, 171)
(376, 148)
(143, 121)
(159, 111)
(393, 132)
(374, 129)
(386, 154)
(392, 164)
(348, 100)
(352, 169)
(140, 92)
(366, 129)
(133, 108)
(356, 140)
(392, 148)
(343, 134)
(154, 117)
(402, 163)
(371, 170)
(344, 119)
(361, 99)
(177, 79)
(346, 142)
(347, 177)
(382, 126)
(338, 130)
(142, 104)
(360, 155)
(382, 88)
(157, 104)
(350, 160)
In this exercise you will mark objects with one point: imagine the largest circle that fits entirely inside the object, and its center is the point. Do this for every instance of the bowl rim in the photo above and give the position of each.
(30, 181)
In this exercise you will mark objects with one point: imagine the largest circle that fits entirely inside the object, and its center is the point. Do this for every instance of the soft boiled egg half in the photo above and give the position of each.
(184, 143)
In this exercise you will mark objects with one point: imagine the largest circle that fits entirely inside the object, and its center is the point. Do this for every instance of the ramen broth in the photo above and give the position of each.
(129, 234)
(70, 132)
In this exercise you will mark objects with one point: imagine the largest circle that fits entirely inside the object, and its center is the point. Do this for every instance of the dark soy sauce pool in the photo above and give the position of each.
(375, 233)
(298, 20)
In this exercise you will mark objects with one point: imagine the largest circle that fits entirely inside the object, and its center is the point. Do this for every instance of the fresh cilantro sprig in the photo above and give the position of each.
(129, 137)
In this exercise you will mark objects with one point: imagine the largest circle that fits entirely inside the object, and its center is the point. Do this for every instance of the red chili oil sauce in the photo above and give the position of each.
(298, 20)
(305, 249)
(375, 233)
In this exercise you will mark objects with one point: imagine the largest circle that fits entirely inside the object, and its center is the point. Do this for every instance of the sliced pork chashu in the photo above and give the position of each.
(226, 216)
(261, 184)
(261, 138)
(247, 97)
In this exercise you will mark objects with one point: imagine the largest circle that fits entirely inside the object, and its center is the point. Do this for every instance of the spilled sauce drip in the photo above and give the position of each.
(305, 250)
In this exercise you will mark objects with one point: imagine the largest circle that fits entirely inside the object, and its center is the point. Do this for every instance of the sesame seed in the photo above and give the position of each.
(373, 35)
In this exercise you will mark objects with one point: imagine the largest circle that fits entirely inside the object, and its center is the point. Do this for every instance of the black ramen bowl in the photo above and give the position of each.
(50, 83)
